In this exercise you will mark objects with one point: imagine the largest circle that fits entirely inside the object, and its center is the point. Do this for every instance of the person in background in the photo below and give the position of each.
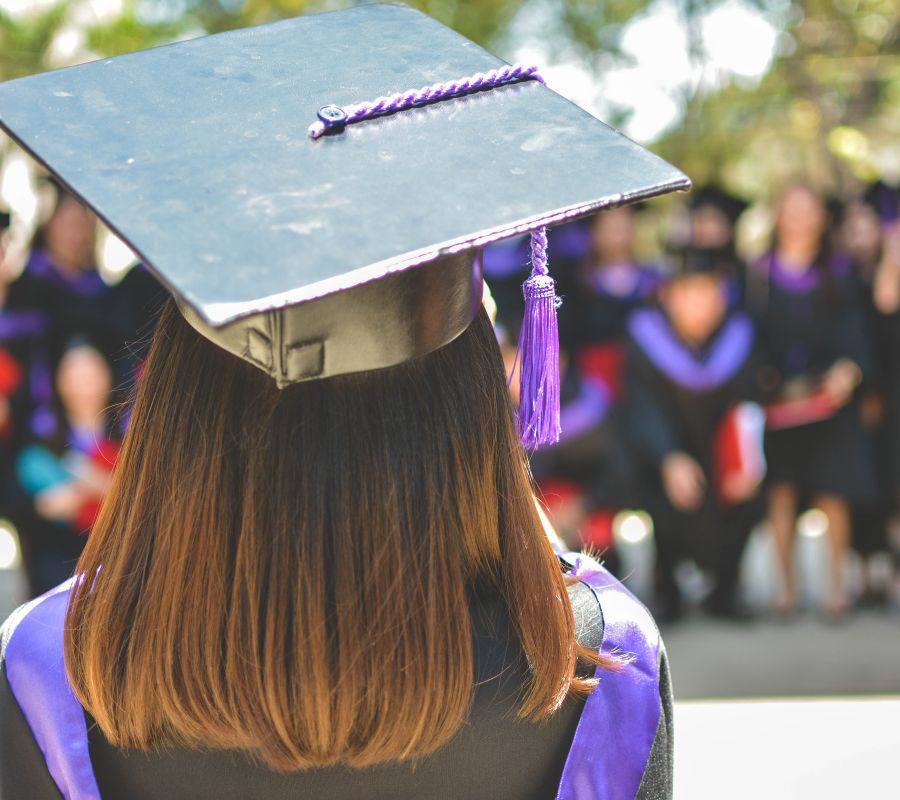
(60, 278)
(590, 474)
(862, 237)
(61, 283)
(23, 360)
(691, 398)
(713, 216)
(807, 306)
(506, 265)
(11, 379)
(714, 213)
(601, 285)
(66, 472)
(575, 476)
(610, 284)
(10, 369)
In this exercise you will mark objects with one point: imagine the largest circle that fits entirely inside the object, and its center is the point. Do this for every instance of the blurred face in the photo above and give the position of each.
(696, 305)
(710, 227)
(801, 218)
(84, 382)
(612, 233)
(70, 234)
(861, 234)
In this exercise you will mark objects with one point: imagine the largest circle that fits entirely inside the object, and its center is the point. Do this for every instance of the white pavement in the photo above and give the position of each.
(836, 749)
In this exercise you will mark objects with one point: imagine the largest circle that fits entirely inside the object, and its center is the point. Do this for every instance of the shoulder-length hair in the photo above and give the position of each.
(288, 572)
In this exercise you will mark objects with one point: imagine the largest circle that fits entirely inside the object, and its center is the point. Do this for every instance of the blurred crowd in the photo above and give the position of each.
(70, 347)
(710, 391)
(716, 393)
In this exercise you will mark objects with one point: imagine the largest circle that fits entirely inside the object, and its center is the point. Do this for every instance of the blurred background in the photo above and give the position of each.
(730, 358)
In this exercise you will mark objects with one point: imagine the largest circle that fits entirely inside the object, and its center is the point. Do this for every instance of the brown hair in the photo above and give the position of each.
(289, 572)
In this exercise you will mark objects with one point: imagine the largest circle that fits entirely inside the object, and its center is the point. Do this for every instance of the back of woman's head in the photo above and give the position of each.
(288, 572)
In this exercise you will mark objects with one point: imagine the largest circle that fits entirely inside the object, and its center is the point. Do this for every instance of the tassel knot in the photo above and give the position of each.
(538, 349)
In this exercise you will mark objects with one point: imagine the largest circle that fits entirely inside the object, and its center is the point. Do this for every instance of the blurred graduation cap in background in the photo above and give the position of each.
(712, 196)
(318, 255)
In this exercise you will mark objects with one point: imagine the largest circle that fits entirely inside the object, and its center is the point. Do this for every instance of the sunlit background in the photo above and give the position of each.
(749, 93)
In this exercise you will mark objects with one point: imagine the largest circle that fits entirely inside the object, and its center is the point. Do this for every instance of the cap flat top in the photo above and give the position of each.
(197, 155)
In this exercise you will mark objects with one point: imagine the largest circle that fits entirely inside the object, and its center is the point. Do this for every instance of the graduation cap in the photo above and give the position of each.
(311, 210)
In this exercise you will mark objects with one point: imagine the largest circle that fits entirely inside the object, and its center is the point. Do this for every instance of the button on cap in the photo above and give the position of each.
(332, 115)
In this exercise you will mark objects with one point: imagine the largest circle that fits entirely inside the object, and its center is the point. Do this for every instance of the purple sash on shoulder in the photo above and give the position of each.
(586, 410)
(83, 283)
(800, 282)
(615, 734)
(37, 677)
(21, 324)
(726, 355)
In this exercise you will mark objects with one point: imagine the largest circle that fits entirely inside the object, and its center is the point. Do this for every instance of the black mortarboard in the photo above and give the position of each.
(711, 195)
(313, 257)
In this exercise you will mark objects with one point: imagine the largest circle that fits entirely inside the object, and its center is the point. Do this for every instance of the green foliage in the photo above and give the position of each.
(825, 113)
(127, 33)
(828, 110)
(24, 44)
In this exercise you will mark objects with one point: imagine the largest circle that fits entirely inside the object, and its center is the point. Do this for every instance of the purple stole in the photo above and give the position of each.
(615, 734)
(37, 676)
(606, 759)
(586, 410)
(726, 354)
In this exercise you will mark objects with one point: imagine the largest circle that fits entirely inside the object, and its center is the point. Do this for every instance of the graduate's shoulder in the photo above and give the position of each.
(32, 633)
(34, 694)
(602, 604)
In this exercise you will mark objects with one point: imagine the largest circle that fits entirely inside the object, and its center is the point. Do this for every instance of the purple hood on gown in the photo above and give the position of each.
(606, 759)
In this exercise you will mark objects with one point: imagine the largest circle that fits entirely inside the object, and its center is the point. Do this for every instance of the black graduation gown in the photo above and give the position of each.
(676, 399)
(76, 305)
(593, 333)
(595, 314)
(22, 347)
(586, 454)
(806, 323)
(883, 387)
(493, 756)
(116, 319)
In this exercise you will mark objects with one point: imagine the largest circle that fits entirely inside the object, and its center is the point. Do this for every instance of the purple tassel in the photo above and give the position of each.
(538, 352)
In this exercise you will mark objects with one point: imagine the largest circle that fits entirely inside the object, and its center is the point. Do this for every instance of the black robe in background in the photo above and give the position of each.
(667, 415)
(117, 319)
(807, 323)
(882, 388)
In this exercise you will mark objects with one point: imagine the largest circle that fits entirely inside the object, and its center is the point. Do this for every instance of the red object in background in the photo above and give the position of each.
(605, 361)
(104, 458)
(10, 373)
(596, 529)
(739, 459)
(790, 413)
(10, 380)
